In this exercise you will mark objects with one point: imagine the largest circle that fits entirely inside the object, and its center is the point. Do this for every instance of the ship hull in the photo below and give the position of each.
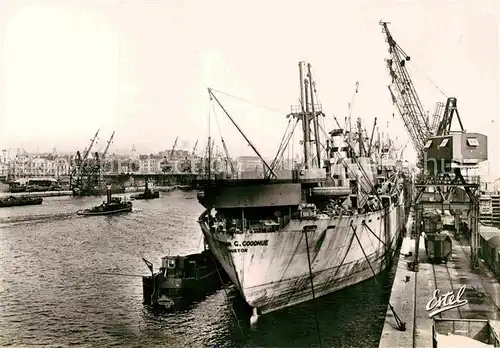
(16, 202)
(96, 191)
(111, 212)
(271, 270)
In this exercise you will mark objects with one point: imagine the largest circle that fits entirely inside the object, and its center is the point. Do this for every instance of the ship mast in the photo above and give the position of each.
(314, 116)
(302, 112)
(306, 115)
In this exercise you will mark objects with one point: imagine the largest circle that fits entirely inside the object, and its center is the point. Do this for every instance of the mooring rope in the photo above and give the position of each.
(380, 240)
(312, 289)
(227, 296)
(401, 325)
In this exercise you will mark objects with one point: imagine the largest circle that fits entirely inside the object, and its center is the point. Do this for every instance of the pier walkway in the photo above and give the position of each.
(412, 291)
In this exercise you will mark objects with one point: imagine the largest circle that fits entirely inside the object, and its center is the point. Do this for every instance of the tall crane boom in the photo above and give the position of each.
(92, 141)
(173, 148)
(228, 159)
(194, 148)
(438, 112)
(404, 94)
(107, 145)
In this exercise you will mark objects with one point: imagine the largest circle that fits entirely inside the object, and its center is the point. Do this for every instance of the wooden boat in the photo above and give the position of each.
(13, 201)
(181, 279)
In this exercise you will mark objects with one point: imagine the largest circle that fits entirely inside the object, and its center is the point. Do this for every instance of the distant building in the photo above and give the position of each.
(496, 186)
(44, 165)
(249, 164)
(4, 171)
(489, 210)
(150, 164)
(135, 155)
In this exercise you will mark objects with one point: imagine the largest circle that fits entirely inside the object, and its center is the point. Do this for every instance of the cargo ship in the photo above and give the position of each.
(287, 236)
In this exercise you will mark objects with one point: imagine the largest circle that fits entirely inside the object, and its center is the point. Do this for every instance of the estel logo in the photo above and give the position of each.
(440, 303)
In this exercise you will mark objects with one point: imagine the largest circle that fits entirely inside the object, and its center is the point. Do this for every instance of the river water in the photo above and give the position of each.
(59, 285)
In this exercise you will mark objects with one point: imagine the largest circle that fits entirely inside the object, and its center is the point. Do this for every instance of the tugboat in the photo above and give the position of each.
(113, 205)
(13, 201)
(147, 194)
(181, 279)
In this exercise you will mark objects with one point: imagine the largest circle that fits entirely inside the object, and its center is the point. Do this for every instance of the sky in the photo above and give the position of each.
(142, 68)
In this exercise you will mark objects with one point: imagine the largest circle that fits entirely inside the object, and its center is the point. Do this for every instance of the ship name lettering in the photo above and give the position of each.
(237, 250)
(440, 303)
(247, 243)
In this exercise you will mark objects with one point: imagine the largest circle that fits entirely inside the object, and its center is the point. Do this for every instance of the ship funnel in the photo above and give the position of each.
(108, 193)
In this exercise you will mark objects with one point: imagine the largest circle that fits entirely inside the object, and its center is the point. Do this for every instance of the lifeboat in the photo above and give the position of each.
(331, 191)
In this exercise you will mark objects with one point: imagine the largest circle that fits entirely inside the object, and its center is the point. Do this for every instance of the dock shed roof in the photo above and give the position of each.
(491, 235)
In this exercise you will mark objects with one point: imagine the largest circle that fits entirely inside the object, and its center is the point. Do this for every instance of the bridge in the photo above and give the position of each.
(159, 179)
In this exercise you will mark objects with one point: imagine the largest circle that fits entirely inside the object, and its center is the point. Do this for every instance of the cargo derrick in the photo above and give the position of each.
(167, 163)
(186, 165)
(84, 175)
(442, 155)
(102, 160)
(87, 177)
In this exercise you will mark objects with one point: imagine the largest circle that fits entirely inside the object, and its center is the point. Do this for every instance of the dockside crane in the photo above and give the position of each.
(102, 159)
(81, 167)
(450, 110)
(107, 146)
(404, 95)
(81, 161)
(92, 142)
(165, 164)
(194, 148)
(443, 155)
(436, 118)
(173, 148)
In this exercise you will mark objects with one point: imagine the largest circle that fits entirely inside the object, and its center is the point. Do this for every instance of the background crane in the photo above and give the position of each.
(80, 162)
(103, 156)
(166, 165)
(101, 162)
(194, 148)
(173, 149)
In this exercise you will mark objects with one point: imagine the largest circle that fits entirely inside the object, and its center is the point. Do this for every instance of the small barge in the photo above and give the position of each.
(113, 205)
(13, 201)
(181, 279)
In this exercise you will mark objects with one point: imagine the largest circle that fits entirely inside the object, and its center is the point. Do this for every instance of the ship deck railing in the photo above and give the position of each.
(252, 226)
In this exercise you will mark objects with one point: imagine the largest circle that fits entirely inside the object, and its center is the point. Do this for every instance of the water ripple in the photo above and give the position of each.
(56, 291)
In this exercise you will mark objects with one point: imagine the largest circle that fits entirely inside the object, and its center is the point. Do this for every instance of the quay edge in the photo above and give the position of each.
(479, 319)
